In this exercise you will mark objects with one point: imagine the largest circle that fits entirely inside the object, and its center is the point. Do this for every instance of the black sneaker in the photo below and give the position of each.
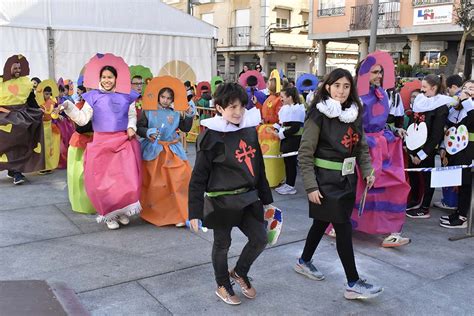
(18, 178)
(419, 213)
(447, 218)
(458, 222)
(10, 174)
(413, 205)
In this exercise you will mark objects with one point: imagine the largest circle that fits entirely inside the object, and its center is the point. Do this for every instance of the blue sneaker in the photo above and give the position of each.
(18, 178)
(308, 270)
(362, 290)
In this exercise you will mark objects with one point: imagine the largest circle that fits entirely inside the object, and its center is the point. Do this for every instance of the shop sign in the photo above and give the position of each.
(433, 15)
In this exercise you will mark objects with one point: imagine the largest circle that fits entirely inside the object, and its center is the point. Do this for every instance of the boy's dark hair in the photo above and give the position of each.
(82, 88)
(61, 89)
(66, 87)
(293, 93)
(36, 79)
(228, 93)
(47, 89)
(187, 84)
(137, 77)
(454, 80)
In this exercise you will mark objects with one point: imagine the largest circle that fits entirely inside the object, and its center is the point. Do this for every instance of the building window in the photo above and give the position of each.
(290, 70)
(283, 18)
(208, 17)
(305, 19)
(331, 7)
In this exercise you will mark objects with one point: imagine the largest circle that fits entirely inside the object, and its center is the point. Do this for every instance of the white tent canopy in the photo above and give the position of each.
(59, 36)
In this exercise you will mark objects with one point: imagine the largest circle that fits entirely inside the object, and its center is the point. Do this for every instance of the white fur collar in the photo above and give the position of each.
(425, 104)
(217, 123)
(456, 116)
(292, 113)
(332, 108)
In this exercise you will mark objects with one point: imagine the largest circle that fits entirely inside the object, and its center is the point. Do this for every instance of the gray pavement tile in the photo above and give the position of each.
(34, 224)
(124, 299)
(281, 291)
(107, 258)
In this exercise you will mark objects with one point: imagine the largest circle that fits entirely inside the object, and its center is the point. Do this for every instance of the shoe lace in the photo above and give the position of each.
(311, 266)
(228, 288)
(246, 280)
(364, 284)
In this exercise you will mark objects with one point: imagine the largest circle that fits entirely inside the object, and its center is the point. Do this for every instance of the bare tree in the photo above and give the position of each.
(464, 17)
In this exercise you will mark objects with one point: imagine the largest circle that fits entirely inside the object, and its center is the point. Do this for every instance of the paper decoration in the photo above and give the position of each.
(406, 91)
(383, 59)
(200, 86)
(24, 67)
(95, 65)
(456, 139)
(43, 84)
(302, 80)
(178, 69)
(215, 81)
(142, 71)
(273, 223)
(260, 81)
(450, 177)
(150, 97)
(416, 135)
(275, 74)
(70, 84)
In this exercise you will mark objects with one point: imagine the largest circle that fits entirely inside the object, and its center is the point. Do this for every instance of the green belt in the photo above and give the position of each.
(471, 137)
(220, 193)
(328, 164)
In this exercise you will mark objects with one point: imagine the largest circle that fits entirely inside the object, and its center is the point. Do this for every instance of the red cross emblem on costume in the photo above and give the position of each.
(350, 139)
(245, 154)
(419, 117)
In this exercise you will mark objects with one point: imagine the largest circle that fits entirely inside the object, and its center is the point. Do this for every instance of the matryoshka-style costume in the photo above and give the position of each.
(112, 161)
(385, 204)
(166, 169)
(21, 121)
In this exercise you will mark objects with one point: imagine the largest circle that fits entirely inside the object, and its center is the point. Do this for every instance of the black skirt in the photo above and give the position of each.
(339, 193)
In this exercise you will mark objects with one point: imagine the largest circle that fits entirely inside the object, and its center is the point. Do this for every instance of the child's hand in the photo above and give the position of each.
(416, 161)
(130, 133)
(370, 181)
(315, 197)
(194, 225)
(4, 110)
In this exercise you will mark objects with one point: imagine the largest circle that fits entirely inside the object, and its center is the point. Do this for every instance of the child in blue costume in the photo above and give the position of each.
(166, 170)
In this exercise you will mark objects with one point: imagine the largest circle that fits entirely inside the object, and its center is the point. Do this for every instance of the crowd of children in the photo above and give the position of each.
(119, 136)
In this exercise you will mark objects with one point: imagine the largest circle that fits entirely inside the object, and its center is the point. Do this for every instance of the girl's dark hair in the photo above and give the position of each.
(47, 89)
(293, 93)
(322, 94)
(228, 93)
(109, 68)
(61, 89)
(82, 88)
(437, 81)
(36, 79)
(166, 89)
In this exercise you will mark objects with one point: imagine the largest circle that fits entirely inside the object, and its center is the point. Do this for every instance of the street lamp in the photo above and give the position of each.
(406, 50)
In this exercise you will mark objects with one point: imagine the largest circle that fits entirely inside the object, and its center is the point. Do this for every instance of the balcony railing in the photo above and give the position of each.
(332, 11)
(420, 3)
(239, 36)
(389, 16)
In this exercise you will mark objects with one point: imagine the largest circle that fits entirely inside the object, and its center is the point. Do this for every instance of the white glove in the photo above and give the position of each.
(280, 133)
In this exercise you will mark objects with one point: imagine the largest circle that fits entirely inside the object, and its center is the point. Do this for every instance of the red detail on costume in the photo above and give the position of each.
(350, 139)
(245, 155)
(419, 117)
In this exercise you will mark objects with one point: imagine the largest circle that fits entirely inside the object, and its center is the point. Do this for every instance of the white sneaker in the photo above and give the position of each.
(281, 187)
(179, 225)
(287, 190)
(395, 240)
(123, 219)
(440, 204)
(112, 224)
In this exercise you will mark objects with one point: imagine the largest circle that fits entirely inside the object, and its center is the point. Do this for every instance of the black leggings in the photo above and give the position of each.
(343, 244)
(428, 191)
(291, 165)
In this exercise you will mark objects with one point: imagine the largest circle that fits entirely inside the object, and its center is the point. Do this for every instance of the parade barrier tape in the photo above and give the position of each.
(438, 168)
(293, 153)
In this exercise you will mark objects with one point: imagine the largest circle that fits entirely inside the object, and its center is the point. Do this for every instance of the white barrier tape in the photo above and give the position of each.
(293, 153)
(438, 168)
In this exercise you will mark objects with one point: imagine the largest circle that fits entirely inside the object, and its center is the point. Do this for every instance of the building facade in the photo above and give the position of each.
(421, 33)
(273, 33)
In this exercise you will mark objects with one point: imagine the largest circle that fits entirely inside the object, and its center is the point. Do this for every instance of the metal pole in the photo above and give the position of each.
(469, 224)
(50, 44)
(373, 26)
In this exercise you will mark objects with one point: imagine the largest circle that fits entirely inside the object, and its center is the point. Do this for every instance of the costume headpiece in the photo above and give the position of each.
(307, 82)
(70, 84)
(40, 88)
(200, 86)
(95, 65)
(15, 59)
(260, 81)
(407, 89)
(80, 79)
(215, 81)
(376, 58)
(150, 98)
(276, 74)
